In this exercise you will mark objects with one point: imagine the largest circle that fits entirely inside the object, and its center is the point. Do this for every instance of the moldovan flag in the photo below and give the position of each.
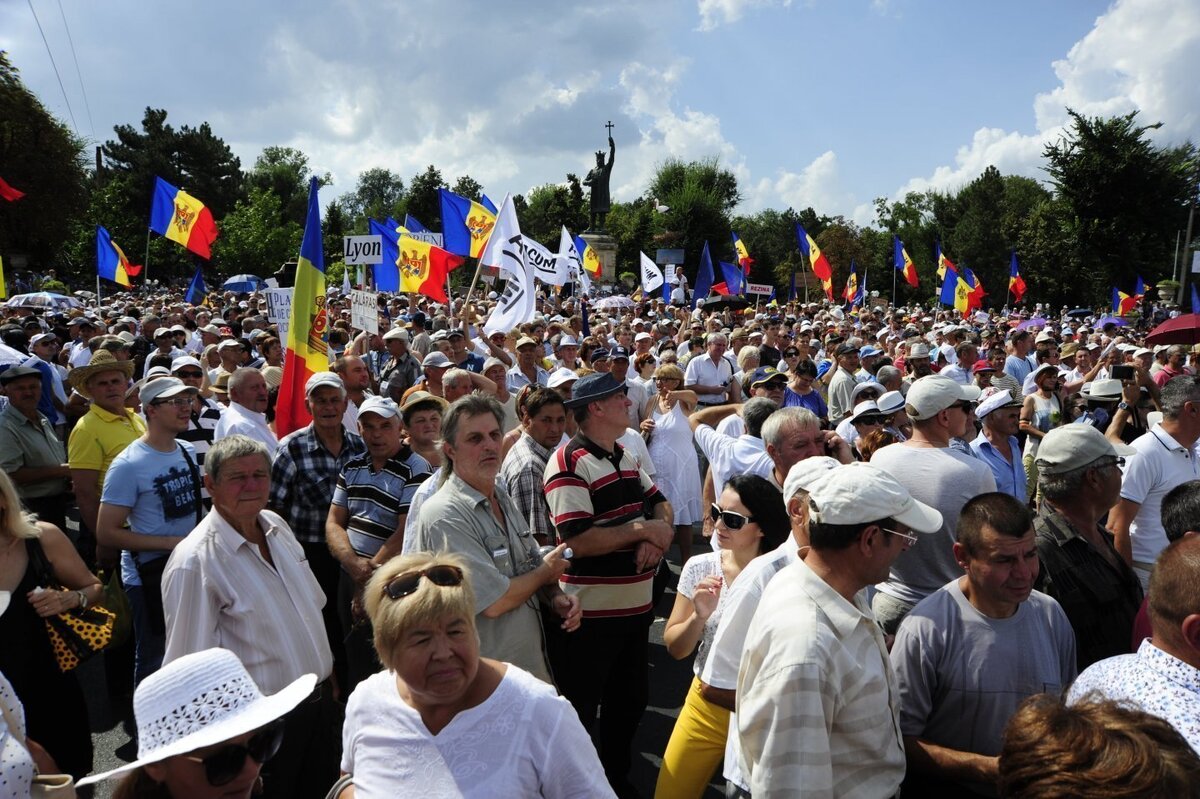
(943, 263)
(589, 257)
(743, 255)
(424, 267)
(111, 263)
(975, 292)
(307, 351)
(1016, 283)
(820, 264)
(903, 262)
(850, 293)
(182, 218)
(413, 226)
(466, 224)
(9, 193)
(386, 276)
(950, 287)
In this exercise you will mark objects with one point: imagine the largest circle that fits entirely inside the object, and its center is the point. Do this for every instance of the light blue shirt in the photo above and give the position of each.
(1010, 477)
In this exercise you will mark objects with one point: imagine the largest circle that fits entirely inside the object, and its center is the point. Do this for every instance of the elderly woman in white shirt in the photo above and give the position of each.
(442, 721)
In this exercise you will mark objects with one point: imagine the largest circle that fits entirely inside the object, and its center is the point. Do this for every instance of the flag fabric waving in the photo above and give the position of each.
(1016, 284)
(816, 258)
(307, 349)
(975, 292)
(743, 255)
(904, 264)
(423, 268)
(466, 224)
(9, 193)
(488, 204)
(197, 293)
(111, 263)
(182, 218)
(851, 293)
(1195, 297)
(413, 226)
(569, 252)
(943, 262)
(733, 278)
(543, 264)
(1124, 303)
(652, 276)
(949, 286)
(704, 277)
(588, 256)
(506, 251)
(387, 275)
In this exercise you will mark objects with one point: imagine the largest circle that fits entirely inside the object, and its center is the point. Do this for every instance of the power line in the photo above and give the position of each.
(60, 83)
(82, 90)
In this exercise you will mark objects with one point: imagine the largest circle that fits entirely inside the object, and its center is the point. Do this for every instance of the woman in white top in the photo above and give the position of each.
(440, 721)
(750, 520)
(1040, 413)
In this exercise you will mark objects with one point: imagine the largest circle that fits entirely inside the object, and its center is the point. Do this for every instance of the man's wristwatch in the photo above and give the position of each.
(83, 603)
(1122, 406)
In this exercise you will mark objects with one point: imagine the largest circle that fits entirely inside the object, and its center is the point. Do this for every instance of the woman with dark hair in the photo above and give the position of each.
(750, 519)
(802, 393)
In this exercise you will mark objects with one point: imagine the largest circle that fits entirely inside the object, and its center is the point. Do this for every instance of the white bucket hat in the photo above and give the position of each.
(200, 700)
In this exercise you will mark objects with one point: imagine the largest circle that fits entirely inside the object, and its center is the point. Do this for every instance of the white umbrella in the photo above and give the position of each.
(44, 299)
(614, 303)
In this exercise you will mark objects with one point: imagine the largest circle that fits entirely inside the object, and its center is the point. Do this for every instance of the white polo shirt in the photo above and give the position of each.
(701, 371)
(1162, 463)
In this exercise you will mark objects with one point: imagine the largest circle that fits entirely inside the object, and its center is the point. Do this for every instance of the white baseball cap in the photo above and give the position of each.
(932, 394)
(561, 376)
(163, 388)
(859, 493)
(383, 406)
(185, 360)
(804, 473)
(319, 379)
(1072, 446)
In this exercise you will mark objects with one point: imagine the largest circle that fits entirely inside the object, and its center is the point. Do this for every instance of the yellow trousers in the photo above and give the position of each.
(696, 748)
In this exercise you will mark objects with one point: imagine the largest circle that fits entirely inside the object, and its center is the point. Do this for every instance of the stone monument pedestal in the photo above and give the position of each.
(606, 248)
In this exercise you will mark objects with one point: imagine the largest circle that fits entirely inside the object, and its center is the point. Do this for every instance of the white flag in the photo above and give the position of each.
(652, 276)
(345, 281)
(506, 251)
(543, 264)
(569, 255)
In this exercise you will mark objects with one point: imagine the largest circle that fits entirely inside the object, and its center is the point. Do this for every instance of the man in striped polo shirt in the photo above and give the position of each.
(205, 414)
(366, 521)
(618, 525)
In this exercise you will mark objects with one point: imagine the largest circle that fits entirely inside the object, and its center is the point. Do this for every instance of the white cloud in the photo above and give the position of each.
(714, 13)
(818, 185)
(1141, 55)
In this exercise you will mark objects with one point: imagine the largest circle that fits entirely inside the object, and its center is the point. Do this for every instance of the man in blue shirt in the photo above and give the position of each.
(997, 444)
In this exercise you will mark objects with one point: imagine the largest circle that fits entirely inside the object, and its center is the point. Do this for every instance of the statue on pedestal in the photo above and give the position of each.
(597, 180)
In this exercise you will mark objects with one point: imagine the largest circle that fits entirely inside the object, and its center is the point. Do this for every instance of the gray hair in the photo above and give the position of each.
(455, 378)
(887, 374)
(745, 354)
(786, 419)
(714, 337)
(1176, 392)
(232, 448)
(465, 407)
(755, 414)
(1057, 487)
(239, 378)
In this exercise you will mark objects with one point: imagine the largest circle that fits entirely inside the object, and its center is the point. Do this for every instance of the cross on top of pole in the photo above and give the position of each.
(609, 126)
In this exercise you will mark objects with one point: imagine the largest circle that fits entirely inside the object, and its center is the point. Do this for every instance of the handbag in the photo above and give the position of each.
(116, 601)
(75, 635)
(53, 786)
(344, 782)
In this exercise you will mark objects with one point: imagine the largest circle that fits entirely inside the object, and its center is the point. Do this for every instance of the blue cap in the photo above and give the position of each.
(598, 354)
(593, 388)
(618, 352)
(868, 351)
(764, 374)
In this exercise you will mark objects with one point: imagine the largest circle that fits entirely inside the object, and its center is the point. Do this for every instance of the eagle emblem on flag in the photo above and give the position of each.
(480, 226)
(413, 264)
(184, 217)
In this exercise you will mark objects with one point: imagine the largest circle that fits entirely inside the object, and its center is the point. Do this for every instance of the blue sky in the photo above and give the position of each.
(828, 103)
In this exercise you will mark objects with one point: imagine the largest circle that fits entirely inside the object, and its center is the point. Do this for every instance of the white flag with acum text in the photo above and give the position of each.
(652, 276)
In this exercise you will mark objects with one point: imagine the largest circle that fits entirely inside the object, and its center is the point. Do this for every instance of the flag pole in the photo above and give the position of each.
(894, 270)
(474, 280)
(146, 259)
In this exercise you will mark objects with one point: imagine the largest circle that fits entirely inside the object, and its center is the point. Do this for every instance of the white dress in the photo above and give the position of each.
(674, 456)
(523, 740)
(16, 764)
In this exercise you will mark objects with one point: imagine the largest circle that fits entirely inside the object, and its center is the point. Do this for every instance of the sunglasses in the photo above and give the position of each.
(731, 519)
(871, 421)
(792, 354)
(223, 766)
(405, 584)
(193, 375)
(965, 407)
(909, 537)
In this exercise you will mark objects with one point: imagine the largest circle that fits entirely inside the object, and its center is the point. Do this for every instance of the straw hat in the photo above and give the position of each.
(102, 361)
(221, 384)
(200, 700)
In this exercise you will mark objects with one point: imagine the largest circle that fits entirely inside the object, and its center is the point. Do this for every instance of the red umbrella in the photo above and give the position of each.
(1183, 329)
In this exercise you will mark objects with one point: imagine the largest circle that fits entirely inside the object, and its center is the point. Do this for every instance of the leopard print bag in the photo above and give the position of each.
(77, 634)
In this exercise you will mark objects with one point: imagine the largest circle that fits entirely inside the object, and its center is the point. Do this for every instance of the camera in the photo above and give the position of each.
(1122, 372)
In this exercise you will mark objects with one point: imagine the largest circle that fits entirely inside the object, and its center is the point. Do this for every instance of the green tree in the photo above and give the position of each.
(377, 195)
(284, 172)
(422, 200)
(468, 187)
(333, 228)
(192, 159)
(550, 207)
(632, 226)
(41, 157)
(700, 197)
(1124, 197)
(253, 239)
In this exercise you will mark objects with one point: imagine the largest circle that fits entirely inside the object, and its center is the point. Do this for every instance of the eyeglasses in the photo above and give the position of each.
(909, 537)
(223, 766)
(965, 407)
(792, 354)
(191, 375)
(1118, 462)
(731, 519)
(405, 584)
(871, 421)
(178, 402)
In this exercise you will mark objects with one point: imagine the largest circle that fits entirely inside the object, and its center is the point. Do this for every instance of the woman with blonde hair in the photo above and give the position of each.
(32, 553)
(673, 452)
(440, 720)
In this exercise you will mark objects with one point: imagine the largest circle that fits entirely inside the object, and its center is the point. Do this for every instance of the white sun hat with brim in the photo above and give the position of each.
(560, 377)
(201, 700)
(806, 472)
(859, 493)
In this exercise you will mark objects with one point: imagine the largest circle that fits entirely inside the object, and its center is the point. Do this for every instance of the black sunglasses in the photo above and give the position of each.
(405, 584)
(965, 407)
(732, 519)
(190, 374)
(223, 766)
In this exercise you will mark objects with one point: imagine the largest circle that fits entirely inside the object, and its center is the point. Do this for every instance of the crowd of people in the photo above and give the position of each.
(912, 551)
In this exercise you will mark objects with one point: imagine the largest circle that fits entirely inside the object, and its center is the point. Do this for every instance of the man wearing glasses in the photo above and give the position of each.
(969, 653)
(1079, 475)
(937, 475)
(206, 412)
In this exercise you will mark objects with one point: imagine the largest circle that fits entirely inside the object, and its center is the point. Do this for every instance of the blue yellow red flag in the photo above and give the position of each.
(111, 263)
(387, 277)
(466, 224)
(943, 262)
(183, 219)
(816, 258)
(424, 267)
(851, 293)
(1016, 284)
(588, 256)
(904, 264)
(307, 350)
(743, 255)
